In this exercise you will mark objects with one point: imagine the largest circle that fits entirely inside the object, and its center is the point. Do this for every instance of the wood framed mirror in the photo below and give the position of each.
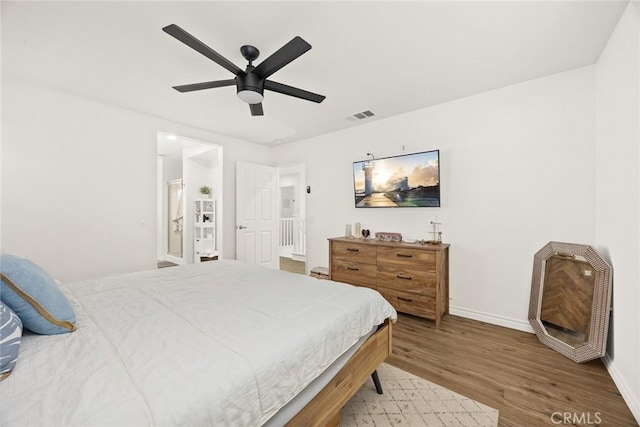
(570, 300)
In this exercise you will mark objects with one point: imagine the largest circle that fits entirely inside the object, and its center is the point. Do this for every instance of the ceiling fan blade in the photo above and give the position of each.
(293, 91)
(204, 85)
(186, 38)
(256, 109)
(287, 53)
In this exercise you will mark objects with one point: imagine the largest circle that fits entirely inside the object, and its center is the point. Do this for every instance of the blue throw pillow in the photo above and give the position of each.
(34, 296)
(10, 335)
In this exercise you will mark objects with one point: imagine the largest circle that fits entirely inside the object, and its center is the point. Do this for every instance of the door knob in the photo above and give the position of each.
(240, 227)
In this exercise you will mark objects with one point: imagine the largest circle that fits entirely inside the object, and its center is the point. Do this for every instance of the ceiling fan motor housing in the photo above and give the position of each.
(250, 82)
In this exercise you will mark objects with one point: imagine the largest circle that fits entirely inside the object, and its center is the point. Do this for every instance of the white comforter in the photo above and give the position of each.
(220, 343)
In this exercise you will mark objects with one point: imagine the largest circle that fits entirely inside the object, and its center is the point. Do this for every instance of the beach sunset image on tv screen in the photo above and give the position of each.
(409, 180)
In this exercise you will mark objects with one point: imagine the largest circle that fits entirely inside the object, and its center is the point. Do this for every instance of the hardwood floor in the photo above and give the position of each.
(508, 370)
(165, 264)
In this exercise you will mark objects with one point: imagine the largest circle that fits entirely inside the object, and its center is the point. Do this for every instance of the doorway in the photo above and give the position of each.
(292, 243)
(185, 166)
(270, 216)
(176, 219)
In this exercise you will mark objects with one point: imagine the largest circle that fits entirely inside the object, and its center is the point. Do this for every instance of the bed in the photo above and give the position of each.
(218, 343)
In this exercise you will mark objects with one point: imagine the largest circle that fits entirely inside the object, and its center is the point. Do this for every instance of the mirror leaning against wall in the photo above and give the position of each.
(570, 300)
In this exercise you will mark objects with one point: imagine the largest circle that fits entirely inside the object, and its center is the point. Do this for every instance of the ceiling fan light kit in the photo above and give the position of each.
(250, 83)
(250, 96)
(250, 87)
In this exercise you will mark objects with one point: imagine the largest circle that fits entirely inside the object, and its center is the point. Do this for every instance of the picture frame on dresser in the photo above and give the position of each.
(414, 278)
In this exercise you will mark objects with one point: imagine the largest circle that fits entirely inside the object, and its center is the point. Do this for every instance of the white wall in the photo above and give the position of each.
(295, 176)
(617, 228)
(287, 201)
(172, 169)
(516, 172)
(77, 175)
(290, 190)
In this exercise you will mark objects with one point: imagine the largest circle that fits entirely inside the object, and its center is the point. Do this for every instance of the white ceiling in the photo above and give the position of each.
(387, 57)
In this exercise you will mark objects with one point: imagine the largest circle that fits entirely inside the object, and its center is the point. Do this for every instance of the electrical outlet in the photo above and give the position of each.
(143, 221)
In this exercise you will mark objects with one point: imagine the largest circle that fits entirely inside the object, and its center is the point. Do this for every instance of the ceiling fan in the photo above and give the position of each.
(251, 82)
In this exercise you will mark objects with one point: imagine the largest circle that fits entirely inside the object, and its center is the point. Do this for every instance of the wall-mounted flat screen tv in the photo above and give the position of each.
(407, 180)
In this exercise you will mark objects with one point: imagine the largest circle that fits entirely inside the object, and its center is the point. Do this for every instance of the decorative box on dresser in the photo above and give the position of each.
(414, 278)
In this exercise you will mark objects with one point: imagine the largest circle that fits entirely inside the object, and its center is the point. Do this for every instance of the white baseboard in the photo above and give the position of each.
(175, 260)
(507, 322)
(631, 400)
(298, 257)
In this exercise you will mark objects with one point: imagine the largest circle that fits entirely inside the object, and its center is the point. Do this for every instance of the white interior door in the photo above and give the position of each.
(257, 214)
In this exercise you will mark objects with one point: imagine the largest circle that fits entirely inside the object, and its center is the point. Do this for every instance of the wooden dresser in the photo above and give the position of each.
(414, 278)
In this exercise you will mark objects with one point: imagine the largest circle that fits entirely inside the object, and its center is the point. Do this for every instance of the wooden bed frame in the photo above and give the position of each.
(324, 409)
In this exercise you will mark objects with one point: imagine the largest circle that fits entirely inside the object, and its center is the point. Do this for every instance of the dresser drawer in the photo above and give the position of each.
(409, 279)
(407, 257)
(354, 252)
(354, 272)
(406, 302)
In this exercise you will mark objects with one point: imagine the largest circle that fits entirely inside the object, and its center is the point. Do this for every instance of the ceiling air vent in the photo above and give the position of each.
(361, 116)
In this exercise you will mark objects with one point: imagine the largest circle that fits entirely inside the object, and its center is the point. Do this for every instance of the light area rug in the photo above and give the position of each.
(412, 401)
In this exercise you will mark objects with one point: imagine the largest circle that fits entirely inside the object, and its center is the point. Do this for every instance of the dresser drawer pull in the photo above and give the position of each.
(404, 299)
(405, 255)
(353, 269)
(353, 250)
(400, 276)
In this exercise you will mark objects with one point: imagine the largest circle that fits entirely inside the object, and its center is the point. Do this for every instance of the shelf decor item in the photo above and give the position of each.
(205, 190)
(436, 233)
(388, 237)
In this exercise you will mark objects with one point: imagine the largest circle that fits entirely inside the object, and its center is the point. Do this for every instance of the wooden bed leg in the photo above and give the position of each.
(376, 382)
